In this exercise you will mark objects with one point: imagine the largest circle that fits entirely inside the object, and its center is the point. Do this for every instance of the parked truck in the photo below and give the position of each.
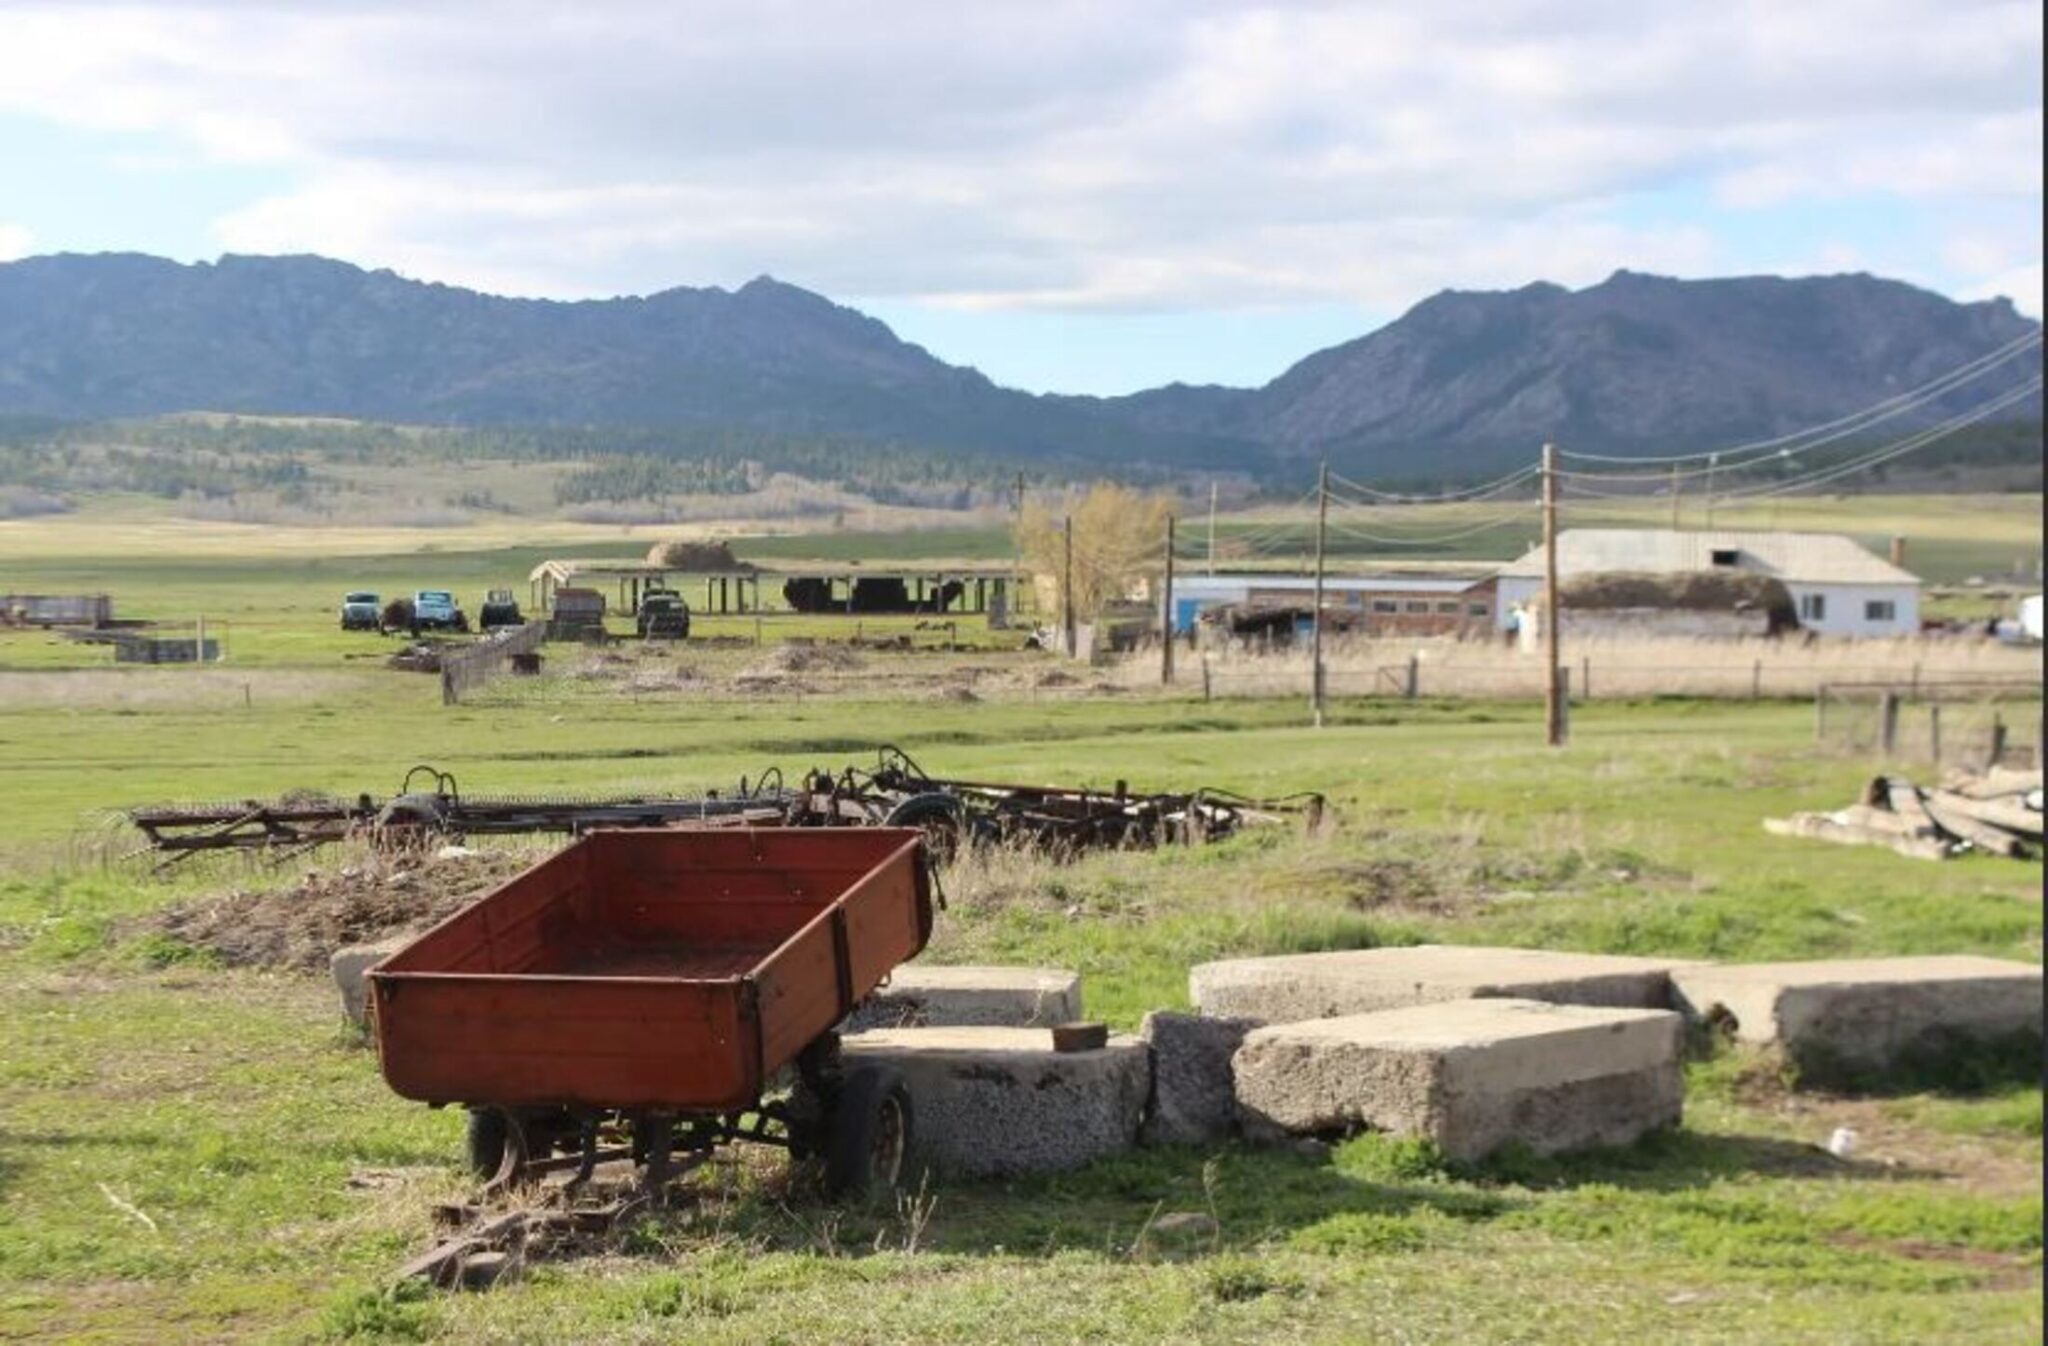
(499, 608)
(361, 610)
(437, 610)
(663, 615)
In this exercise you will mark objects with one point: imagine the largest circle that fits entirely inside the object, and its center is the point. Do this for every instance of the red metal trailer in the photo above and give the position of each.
(641, 992)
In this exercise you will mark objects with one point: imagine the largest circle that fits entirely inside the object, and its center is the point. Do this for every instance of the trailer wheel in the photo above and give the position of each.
(939, 815)
(485, 1139)
(870, 1138)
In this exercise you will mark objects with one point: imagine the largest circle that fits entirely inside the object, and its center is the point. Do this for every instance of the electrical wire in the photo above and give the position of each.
(1870, 415)
(1899, 450)
(1470, 493)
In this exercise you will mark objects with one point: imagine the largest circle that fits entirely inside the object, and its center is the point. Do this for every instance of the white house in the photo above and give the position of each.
(1840, 588)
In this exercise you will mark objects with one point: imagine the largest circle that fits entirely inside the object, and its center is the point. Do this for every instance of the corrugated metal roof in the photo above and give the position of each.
(1196, 586)
(1798, 558)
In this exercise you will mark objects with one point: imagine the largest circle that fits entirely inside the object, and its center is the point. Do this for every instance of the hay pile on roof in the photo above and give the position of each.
(1695, 591)
(697, 558)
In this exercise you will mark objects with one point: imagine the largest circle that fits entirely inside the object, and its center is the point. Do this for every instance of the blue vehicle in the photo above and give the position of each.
(436, 610)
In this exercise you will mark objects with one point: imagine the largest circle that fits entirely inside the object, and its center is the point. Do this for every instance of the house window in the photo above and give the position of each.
(1451, 607)
(1417, 605)
(1813, 607)
(1475, 609)
(1726, 556)
(1385, 605)
(1880, 610)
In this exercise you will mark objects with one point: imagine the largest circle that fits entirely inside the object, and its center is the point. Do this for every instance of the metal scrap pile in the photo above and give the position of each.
(894, 792)
(1997, 812)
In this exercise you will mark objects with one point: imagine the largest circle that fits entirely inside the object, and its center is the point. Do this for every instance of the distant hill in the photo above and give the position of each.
(1463, 381)
(1635, 365)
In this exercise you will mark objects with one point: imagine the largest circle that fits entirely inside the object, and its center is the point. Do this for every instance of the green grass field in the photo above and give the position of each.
(202, 1152)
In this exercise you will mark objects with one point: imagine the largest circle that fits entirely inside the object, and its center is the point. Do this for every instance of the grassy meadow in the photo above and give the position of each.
(199, 1151)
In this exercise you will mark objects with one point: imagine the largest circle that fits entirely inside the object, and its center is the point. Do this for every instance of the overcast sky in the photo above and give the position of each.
(1088, 197)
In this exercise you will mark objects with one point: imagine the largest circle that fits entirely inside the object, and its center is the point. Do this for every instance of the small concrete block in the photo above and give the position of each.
(1193, 1098)
(1294, 987)
(1865, 1012)
(1469, 1075)
(348, 966)
(989, 1101)
(935, 996)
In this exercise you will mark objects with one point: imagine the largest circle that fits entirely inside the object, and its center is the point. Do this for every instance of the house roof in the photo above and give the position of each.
(1798, 558)
(1226, 586)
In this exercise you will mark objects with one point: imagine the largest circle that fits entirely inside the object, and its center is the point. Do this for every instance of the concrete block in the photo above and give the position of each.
(1293, 987)
(1867, 1013)
(935, 996)
(1193, 1098)
(993, 1101)
(348, 965)
(1469, 1075)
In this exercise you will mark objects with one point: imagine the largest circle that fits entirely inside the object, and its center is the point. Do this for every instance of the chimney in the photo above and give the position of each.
(1899, 552)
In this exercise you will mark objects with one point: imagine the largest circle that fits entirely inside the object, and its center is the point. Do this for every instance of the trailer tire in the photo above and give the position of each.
(868, 1148)
(488, 1131)
(939, 815)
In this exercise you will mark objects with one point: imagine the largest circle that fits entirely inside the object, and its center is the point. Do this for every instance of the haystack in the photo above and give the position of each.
(697, 558)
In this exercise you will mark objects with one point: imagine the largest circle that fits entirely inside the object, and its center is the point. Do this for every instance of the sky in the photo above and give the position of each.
(1081, 197)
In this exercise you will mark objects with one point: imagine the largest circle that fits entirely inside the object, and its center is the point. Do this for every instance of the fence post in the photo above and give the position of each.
(1413, 687)
(448, 693)
(1586, 676)
(1205, 677)
(1888, 723)
(1934, 733)
(1564, 704)
(1997, 739)
(1820, 712)
(1756, 681)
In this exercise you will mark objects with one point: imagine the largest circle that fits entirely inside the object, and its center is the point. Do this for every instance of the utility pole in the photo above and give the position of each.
(1674, 497)
(1166, 614)
(1553, 706)
(1212, 527)
(1316, 630)
(1067, 584)
(1713, 461)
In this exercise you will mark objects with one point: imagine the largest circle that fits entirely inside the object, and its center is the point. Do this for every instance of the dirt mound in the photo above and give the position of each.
(300, 927)
(1055, 677)
(800, 658)
(697, 558)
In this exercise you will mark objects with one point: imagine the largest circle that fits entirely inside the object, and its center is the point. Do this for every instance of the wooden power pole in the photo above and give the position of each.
(1553, 704)
(1212, 528)
(1315, 674)
(1067, 584)
(1166, 614)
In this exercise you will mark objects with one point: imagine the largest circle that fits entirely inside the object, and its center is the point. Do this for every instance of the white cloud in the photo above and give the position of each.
(1059, 154)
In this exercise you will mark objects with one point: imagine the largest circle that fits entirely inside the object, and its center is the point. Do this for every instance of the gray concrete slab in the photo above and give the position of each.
(995, 1101)
(1193, 1099)
(1292, 987)
(348, 964)
(937, 996)
(1469, 1075)
(1865, 1013)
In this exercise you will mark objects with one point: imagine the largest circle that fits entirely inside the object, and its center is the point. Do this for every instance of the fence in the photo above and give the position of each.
(1975, 721)
(471, 667)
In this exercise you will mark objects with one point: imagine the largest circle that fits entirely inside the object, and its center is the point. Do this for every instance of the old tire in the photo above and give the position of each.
(939, 816)
(484, 1139)
(868, 1149)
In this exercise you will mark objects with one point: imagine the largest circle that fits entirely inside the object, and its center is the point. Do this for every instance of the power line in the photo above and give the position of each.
(1470, 493)
(1862, 419)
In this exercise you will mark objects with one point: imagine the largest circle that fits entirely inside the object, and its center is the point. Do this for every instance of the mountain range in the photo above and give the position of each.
(1637, 364)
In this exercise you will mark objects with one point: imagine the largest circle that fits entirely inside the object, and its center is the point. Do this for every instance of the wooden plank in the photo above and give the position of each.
(1992, 840)
(1904, 798)
(2011, 816)
(1820, 827)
